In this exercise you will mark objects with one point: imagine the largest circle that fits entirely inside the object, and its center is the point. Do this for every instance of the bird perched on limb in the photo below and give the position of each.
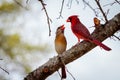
(60, 46)
(81, 32)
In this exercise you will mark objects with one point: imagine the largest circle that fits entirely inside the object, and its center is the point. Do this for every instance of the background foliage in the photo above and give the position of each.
(18, 55)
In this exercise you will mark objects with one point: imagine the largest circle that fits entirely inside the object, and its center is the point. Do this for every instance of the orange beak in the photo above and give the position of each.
(68, 20)
(62, 27)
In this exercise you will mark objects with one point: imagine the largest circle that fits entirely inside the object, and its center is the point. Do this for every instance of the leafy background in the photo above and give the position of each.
(25, 44)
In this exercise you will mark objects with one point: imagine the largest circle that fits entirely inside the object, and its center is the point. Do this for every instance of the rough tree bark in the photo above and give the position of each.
(102, 33)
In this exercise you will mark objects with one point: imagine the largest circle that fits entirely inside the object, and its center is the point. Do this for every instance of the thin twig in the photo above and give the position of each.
(27, 1)
(112, 38)
(69, 4)
(77, 1)
(116, 37)
(20, 4)
(4, 70)
(95, 12)
(109, 4)
(70, 74)
(104, 15)
(118, 2)
(107, 12)
(61, 10)
(48, 18)
(59, 74)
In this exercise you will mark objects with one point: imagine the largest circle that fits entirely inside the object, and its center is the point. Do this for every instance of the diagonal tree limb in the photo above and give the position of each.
(76, 52)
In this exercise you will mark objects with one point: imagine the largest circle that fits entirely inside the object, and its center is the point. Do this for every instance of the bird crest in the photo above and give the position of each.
(74, 16)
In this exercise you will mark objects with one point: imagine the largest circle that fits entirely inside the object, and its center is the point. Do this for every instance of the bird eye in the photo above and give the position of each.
(70, 18)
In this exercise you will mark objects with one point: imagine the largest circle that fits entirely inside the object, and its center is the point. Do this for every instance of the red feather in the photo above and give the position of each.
(81, 32)
(101, 45)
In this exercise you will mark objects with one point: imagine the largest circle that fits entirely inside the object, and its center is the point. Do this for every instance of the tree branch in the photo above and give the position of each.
(117, 2)
(87, 3)
(104, 15)
(4, 70)
(112, 3)
(76, 52)
(48, 18)
(20, 4)
(69, 4)
(61, 10)
(116, 37)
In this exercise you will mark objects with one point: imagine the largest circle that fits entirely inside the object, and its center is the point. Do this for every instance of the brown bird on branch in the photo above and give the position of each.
(60, 46)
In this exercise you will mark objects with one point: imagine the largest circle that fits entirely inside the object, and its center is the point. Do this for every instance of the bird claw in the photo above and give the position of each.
(60, 56)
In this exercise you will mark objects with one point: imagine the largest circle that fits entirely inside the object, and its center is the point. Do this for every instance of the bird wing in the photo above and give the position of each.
(81, 31)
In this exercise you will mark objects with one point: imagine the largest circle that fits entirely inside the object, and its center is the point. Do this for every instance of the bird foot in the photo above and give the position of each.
(59, 56)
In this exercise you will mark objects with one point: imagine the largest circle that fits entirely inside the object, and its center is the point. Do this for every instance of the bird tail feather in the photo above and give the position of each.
(101, 45)
(63, 72)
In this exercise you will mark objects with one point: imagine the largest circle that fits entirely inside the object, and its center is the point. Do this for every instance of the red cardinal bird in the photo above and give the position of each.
(60, 45)
(81, 32)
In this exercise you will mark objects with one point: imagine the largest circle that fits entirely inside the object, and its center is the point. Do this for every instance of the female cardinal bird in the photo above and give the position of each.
(81, 32)
(60, 45)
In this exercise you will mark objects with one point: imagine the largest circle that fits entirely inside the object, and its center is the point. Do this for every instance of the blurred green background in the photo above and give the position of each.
(18, 54)
(25, 43)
